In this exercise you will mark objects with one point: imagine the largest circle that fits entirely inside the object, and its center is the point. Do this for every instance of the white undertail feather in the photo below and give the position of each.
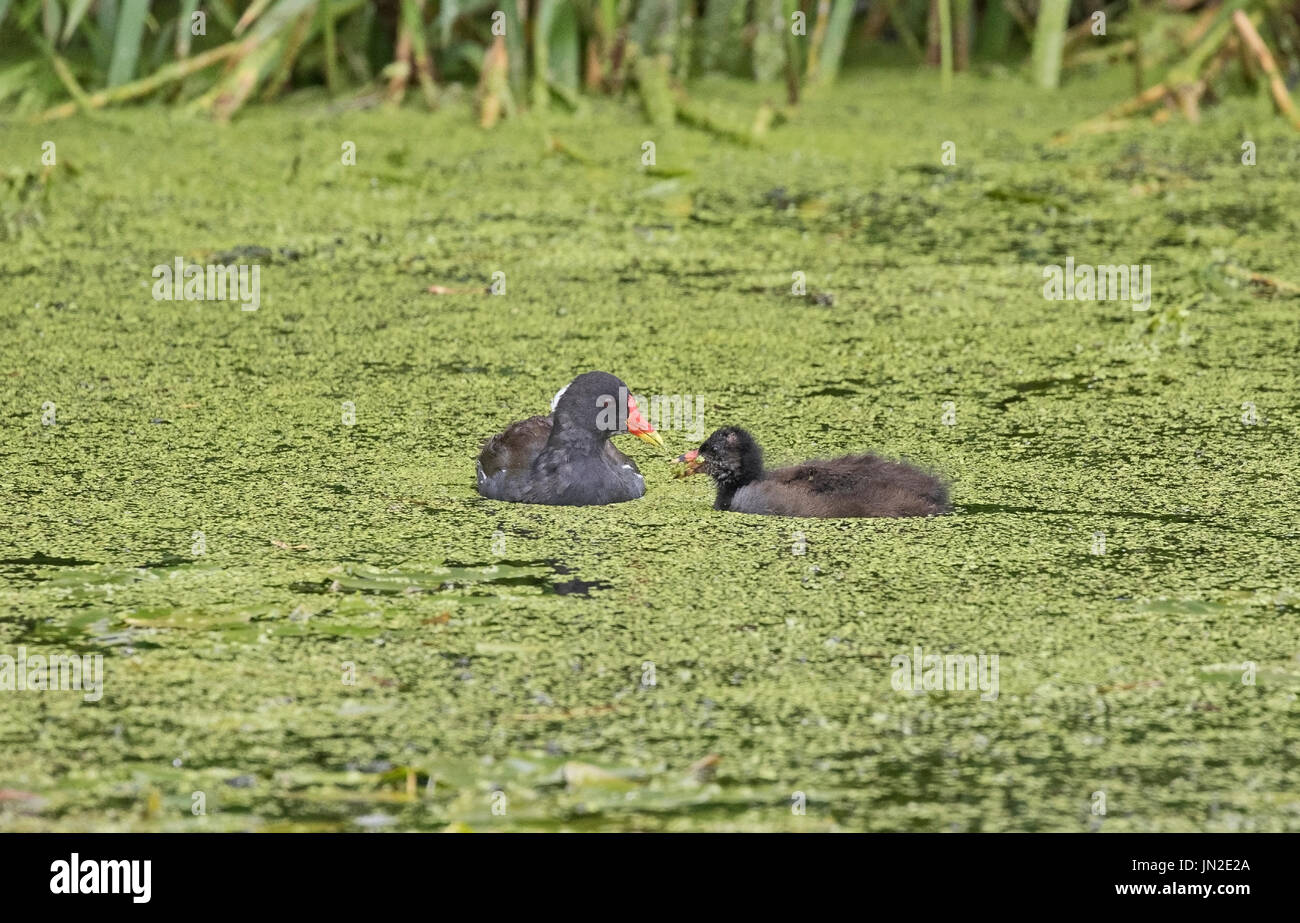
(558, 394)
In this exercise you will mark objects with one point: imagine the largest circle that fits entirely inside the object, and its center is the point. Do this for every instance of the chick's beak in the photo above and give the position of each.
(639, 427)
(690, 462)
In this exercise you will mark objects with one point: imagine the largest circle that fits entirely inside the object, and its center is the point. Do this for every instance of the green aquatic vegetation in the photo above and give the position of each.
(360, 623)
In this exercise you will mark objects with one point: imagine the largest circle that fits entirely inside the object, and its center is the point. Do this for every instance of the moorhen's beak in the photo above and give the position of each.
(638, 427)
(690, 462)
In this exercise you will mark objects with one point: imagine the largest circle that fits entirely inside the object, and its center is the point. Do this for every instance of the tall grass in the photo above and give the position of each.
(1049, 41)
(212, 56)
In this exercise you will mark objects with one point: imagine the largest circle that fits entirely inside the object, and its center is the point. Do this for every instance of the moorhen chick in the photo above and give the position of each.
(566, 459)
(854, 485)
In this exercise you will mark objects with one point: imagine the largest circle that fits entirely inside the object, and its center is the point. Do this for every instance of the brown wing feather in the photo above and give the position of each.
(516, 446)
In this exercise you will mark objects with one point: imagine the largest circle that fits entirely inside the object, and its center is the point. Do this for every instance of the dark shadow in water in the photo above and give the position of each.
(1040, 385)
(832, 391)
(41, 559)
(574, 587)
(544, 582)
(579, 587)
(548, 586)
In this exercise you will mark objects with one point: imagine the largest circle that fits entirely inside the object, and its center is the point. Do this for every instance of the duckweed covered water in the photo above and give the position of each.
(652, 665)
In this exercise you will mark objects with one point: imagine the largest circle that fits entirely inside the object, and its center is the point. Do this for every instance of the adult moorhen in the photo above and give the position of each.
(854, 485)
(566, 459)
